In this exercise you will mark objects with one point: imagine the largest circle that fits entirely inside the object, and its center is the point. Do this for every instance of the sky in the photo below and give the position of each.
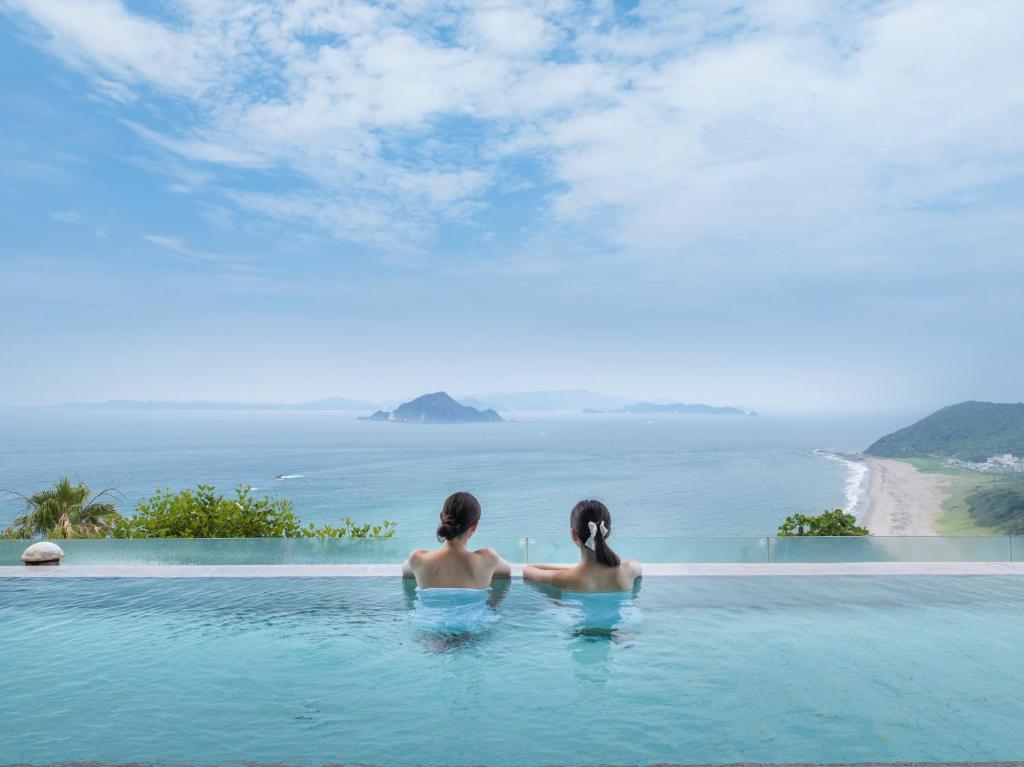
(791, 205)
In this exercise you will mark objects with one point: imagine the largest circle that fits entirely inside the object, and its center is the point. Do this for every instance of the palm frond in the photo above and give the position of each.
(65, 510)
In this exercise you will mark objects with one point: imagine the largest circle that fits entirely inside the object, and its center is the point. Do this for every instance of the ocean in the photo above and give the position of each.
(660, 476)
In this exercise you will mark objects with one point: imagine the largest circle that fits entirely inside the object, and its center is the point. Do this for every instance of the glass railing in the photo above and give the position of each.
(974, 548)
(762, 549)
(248, 551)
(753, 549)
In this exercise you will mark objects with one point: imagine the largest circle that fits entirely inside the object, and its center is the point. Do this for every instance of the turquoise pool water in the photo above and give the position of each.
(686, 670)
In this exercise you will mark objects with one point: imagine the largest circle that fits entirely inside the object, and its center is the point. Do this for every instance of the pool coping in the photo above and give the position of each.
(724, 570)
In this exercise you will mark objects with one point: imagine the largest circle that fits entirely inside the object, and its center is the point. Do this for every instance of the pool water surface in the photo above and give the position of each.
(366, 670)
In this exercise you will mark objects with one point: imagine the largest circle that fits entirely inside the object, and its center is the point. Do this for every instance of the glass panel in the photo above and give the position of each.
(386, 550)
(654, 550)
(10, 551)
(974, 548)
(174, 551)
(248, 551)
(240, 551)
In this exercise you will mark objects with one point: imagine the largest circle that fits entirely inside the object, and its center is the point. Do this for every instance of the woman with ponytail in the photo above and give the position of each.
(599, 568)
(454, 566)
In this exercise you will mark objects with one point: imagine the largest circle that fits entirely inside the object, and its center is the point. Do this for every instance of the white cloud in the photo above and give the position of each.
(508, 29)
(67, 217)
(666, 130)
(179, 246)
(199, 150)
(121, 47)
(171, 243)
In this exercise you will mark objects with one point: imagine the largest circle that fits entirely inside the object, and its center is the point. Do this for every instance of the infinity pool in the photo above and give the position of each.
(359, 670)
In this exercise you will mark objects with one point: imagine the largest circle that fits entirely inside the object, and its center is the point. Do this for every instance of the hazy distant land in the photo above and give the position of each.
(562, 400)
(676, 408)
(329, 403)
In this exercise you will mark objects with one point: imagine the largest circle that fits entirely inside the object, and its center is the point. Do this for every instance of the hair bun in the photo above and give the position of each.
(460, 512)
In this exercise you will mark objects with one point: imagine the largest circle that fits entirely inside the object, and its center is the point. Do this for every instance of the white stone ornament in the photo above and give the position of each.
(42, 553)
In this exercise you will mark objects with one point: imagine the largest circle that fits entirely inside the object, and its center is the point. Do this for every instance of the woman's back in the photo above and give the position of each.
(595, 578)
(454, 568)
(599, 568)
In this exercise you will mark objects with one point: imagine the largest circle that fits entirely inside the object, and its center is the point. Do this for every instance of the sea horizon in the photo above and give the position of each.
(666, 475)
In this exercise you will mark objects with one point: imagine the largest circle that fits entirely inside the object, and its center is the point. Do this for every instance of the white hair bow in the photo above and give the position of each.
(593, 533)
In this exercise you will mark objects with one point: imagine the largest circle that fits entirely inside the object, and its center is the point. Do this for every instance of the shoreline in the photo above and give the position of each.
(899, 499)
(857, 478)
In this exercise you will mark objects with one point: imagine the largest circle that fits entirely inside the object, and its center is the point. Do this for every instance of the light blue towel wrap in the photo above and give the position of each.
(453, 610)
(602, 610)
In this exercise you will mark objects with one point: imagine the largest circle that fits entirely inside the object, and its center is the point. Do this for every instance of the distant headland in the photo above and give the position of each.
(957, 471)
(968, 431)
(438, 407)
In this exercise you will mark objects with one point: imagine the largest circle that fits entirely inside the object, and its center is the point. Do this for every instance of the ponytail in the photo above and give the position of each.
(591, 522)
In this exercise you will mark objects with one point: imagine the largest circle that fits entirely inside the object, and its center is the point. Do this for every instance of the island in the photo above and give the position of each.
(959, 470)
(438, 407)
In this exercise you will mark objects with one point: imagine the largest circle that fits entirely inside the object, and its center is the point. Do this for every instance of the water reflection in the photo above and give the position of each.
(598, 625)
(453, 619)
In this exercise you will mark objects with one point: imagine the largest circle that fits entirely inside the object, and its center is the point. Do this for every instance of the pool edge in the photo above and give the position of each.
(724, 570)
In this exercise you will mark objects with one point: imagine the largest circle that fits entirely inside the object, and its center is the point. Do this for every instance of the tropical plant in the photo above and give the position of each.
(349, 528)
(834, 522)
(205, 513)
(65, 510)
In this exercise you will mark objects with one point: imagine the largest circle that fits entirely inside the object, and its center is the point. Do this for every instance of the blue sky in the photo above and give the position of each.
(789, 204)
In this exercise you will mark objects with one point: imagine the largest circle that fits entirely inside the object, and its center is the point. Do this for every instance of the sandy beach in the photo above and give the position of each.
(901, 500)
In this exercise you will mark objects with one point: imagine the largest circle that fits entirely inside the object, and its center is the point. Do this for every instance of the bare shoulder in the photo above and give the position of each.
(488, 554)
(413, 562)
(492, 560)
(632, 569)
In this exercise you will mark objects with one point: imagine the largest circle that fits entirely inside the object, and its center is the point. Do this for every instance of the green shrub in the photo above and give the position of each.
(834, 522)
(204, 513)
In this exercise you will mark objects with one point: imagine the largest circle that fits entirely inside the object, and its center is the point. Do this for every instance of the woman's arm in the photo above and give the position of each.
(543, 573)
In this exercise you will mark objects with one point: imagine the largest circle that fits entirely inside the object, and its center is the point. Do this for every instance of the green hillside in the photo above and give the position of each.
(999, 506)
(970, 431)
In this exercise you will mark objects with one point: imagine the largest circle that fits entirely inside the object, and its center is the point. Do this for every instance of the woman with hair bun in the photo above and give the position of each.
(454, 566)
(599, 568)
